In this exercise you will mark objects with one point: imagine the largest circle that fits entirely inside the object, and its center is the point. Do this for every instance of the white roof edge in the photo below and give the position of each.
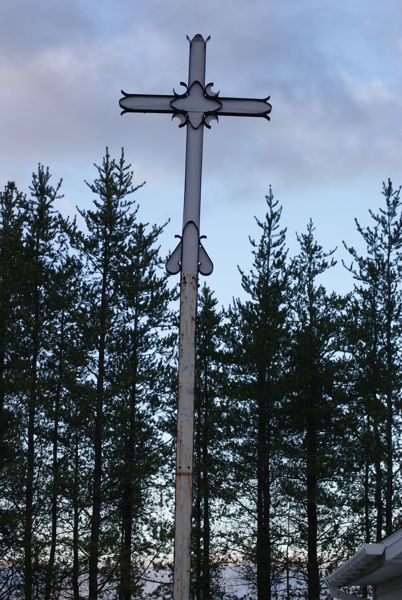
(393, 544)
(372, 564)
(366, 560)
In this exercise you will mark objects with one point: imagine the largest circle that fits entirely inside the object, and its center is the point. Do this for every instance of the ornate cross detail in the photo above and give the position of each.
(197, 106)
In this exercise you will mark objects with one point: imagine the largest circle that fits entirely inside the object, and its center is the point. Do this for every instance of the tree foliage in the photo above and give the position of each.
(297, 416)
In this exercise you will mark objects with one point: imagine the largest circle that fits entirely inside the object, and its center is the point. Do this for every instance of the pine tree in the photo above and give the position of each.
(363, 343)
(208, 462)
(13, 209)
(377, 310)
(12, 213)
(315, 416)
(76, 492)
(103, 247)
(42, 248)
(63, 368)
(258, 339)
(137, 363)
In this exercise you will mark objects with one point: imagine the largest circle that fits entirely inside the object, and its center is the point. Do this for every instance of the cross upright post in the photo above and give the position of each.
(197, 107)
(188, 309)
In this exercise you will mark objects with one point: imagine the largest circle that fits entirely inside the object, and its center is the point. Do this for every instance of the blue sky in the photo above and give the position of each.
(333, 69)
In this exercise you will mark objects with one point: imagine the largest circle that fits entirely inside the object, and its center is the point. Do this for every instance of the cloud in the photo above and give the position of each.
(332, 69)
(63, 65)
(373, 94)
(27, 27)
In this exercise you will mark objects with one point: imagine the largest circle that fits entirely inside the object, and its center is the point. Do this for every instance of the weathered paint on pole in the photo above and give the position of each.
(195, 108)
(188, 310)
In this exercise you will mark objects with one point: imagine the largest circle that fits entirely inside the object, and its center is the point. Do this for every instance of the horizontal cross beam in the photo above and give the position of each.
(197, 106)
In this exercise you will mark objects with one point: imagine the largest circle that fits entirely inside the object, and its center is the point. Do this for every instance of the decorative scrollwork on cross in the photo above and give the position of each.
(197, 106)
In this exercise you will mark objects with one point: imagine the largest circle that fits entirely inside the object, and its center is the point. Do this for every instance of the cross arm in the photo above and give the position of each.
(245, 107)
(144, 103)
(197, 105)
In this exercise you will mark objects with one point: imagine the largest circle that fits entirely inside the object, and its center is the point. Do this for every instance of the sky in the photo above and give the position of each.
(333, 69)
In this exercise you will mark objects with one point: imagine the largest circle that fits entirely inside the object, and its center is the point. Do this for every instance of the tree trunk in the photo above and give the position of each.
(127, 513)
(125, 587)
(32, 405)
(97, 477)
(313, 578)
(263, 494)
(4, 317)
(98, 443)
(55, 468)
(287, 564)
(389, 491)
(28, 567)
(378, 483)
(367, 520)
(204, 481)
(389, 387)
(54, 505)
(76, 520)
(198, 563)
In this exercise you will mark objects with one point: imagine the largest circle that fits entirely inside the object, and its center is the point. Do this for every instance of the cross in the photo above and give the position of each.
(196, 107)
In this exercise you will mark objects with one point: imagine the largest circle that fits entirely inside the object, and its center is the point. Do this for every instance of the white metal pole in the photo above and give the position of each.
(188, 310)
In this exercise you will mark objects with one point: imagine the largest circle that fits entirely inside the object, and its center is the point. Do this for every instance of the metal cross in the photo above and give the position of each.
(196, 107)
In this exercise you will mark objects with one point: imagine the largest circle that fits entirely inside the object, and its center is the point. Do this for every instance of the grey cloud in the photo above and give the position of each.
(334, 80)
(61, 100)
(27, 27)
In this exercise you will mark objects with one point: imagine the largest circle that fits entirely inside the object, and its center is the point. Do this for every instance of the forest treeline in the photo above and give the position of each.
(298, 403)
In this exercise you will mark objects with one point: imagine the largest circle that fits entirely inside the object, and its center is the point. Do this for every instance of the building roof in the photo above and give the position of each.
(371, 565)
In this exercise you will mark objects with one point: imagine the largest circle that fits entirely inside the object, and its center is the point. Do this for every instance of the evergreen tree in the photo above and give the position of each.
(12, 213)
(85, 342)
(208, 460)
(76, 491)
(363, 344)
(138, 359)
(13, 209)
(63, 369)
(315, 415)
(376, 351)
(258, 342)
(43, 245)
(103, 247)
